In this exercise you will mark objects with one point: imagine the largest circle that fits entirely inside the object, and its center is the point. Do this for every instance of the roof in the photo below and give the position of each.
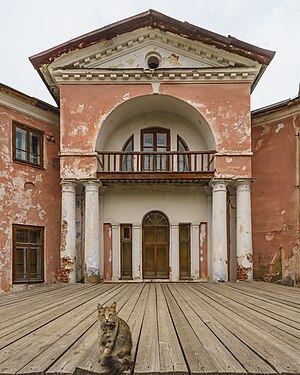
(152, 18)
(276, 106)
(29, 99)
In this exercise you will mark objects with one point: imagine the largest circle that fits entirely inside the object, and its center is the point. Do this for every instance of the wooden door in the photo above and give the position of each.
(155, 246)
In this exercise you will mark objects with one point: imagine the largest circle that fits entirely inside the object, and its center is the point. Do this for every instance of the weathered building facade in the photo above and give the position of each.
(275, 194)
(30, 197)
(155, 154)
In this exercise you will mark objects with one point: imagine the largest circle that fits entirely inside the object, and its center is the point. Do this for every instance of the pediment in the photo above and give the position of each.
(130, 51)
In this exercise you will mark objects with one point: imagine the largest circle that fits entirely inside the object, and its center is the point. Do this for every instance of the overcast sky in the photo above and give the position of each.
(28, 27)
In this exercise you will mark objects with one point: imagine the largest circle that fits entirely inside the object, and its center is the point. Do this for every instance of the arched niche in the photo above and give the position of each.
(130, 117)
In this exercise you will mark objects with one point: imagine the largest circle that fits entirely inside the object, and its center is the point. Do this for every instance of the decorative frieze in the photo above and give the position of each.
(142, 75)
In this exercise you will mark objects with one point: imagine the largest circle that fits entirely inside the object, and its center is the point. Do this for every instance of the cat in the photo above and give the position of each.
(115, 342)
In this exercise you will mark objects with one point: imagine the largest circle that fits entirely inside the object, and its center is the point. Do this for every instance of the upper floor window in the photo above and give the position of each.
(155, 140)
(183, 161)
(28, 253)
(27, 145)
(127, 160)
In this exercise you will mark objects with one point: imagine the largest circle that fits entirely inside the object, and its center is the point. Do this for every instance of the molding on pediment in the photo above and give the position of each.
(103, 52)
(28, 109)
(142, 76)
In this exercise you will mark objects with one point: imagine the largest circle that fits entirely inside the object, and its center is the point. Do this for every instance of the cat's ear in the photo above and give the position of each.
(99, 307)
(113, 306)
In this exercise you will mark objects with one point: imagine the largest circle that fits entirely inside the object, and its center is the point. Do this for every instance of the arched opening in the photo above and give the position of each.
(155, 111)
(155, 246)
(127, 160)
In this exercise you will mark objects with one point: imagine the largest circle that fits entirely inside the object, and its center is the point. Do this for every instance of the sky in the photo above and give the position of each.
(28, 27)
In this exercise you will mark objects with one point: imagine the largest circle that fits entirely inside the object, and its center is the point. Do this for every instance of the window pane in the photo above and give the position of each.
(21, 152)
(35, 148)
(148, 140)
(35, 236)
(126, 232)
(161, 139)
(184, 232)
(21, 263)
(22, 235)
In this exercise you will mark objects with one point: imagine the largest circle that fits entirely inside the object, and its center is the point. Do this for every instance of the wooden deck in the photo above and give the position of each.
(182, 328)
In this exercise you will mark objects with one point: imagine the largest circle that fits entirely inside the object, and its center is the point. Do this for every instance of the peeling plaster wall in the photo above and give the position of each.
(275, 199)
(226, 108)
(29, 196)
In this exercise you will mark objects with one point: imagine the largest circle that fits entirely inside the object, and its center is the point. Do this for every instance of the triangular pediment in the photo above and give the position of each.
(131, 50)
(118, 53)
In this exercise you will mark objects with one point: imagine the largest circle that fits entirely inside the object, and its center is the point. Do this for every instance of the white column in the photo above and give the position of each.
(244, 231)
(115, 228)
(195, 259)
(174, 252)
(101, 224)
(68, 232)
(208, 191)
(219, 231)
(136, 252)
(92, 232)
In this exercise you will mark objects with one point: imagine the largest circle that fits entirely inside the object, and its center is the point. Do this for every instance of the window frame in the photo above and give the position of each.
(127, 159)
(155, 159)
(124, 240)
(186, 159)
(15, 243)
(28, 130)
(188, 242)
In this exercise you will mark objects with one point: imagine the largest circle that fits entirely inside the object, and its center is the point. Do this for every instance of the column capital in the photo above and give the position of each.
(91, 185)
(243, 184)
(68, 186)
(218, 184)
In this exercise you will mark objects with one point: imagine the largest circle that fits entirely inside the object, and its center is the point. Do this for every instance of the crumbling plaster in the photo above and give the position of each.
(225, 107)
(28, 195)
(275, 197)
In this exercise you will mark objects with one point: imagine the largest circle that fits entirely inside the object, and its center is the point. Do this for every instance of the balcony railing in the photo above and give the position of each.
(156, 165)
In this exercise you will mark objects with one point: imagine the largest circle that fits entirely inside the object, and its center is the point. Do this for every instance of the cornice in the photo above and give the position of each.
(142, 76)
(28, 109)
(275, 115)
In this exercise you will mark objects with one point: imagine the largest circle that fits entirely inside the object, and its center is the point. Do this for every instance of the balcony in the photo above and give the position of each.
(173, 166)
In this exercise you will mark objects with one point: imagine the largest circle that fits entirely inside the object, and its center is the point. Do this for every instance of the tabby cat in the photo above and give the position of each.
(115, 342)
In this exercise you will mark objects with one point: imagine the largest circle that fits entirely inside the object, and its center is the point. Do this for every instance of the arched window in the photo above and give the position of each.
(127, 160)
(183, 161)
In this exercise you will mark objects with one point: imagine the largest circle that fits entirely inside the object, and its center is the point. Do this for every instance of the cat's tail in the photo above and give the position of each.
(115, 366)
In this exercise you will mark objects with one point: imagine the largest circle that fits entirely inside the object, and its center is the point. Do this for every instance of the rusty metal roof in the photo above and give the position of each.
(152, 18)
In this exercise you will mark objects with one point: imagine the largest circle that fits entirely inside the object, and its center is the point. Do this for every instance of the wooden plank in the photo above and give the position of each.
(222, 358)
(20, 307)
(18, 354)
(83, 355)
(196, 357)
(280, 297)
(239, 303)
(23, 328)
(33, 313)
(91, 363)
(281, 357)
(170, 354)
(147, 359)
(46, 358)
(247, 358)
(281, 309)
